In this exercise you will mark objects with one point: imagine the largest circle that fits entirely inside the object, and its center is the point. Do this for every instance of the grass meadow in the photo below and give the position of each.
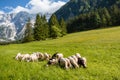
(100, 47)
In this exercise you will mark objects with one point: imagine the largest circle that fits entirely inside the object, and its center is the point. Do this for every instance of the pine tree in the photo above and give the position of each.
(41, 29)
(96, 20)
(107, 16)
(54, 25)
(63, 26)
(37, 25)
(55, 32)
(28, 35)
(45, 26)
(54, 21)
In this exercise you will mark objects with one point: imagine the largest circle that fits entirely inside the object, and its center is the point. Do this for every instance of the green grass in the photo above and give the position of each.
(100, 47)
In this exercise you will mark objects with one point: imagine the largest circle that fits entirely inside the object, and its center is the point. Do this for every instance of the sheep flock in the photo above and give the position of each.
(74, 61)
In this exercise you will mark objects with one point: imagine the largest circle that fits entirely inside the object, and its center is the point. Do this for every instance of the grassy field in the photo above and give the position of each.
(100, 47)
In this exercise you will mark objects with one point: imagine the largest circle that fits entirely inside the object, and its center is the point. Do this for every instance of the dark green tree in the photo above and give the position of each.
(28, 35)
(63, 26)
(95, 20)
(55, 32)
(37, 26)
(45, 27)
(41, 30)
(54, 21)
(107, 16)
(54, 26)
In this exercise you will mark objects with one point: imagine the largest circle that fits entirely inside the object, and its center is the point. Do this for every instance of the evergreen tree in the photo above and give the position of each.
(104, 21)
(107, 16)
(45, 27)
(63, 26)
(54, 21)
(96, 20)
(54, 25)
(28, 35)
(55, 32)
(41, 29)
(37, 25)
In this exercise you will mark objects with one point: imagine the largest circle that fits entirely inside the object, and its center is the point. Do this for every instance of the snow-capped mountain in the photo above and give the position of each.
(12, 25)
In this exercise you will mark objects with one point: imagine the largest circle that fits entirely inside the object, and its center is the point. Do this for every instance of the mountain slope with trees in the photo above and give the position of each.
(83, 15)
(76, 7)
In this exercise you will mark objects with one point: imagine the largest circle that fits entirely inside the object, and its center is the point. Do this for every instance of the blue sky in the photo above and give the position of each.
(32, 6)
(4, 4)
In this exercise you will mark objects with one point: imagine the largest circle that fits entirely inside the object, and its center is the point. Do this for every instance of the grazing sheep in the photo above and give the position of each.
(69, 64)
(78, 55)
(33, 57)
(36, 53)
(26, 57)
(73, 62)
(41, 56)
(47, 56)
(64, 62)
(55, 58)
(19, 56)
(82, 62)
(57, 55)
(52, 62)
(75, 58)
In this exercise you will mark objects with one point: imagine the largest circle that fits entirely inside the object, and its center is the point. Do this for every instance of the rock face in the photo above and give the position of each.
(12, 26)
(7, 27)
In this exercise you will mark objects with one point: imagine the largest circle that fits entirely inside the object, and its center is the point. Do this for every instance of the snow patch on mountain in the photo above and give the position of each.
(12, 26)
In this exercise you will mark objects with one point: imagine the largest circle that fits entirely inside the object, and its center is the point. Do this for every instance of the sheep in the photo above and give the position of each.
(75, 58)
(78, 55)
(33, 57)
(57, 55)
(19, 56)
(26, 57)
(55, 58)
(82, 62)
(52, 62)
(69, 64)
(41, 56)
(47, 56)
(73, 62)
(64, 62)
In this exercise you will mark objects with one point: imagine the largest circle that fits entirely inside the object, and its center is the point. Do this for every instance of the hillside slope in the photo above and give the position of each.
(77, 7)
(100, 47)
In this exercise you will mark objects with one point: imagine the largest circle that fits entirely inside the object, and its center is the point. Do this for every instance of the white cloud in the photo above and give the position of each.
(9, 7)
(18, 9)
(2, 12)
(43, 6)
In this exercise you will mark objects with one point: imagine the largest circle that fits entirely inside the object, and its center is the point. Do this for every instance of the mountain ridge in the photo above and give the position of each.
(12, 24)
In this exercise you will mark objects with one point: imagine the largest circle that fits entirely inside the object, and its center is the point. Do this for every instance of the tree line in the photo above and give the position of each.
(99, 18)
(44, 29)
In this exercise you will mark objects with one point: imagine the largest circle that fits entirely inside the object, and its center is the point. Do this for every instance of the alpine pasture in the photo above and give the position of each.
(100, 47)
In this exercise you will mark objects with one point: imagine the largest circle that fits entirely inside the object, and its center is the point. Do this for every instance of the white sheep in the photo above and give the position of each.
(47, 56)
(73, 62)
(26, 57)
(19, 56)
(57, 56)
(33, 57)
(64, 62)
(75, 58)
(41, 56)
(78, 55)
